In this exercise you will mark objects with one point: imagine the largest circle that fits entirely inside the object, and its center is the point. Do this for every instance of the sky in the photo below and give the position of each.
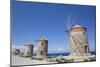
(31, 20)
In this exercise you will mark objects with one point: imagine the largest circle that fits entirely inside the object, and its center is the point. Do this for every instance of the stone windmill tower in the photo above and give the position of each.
(43, 48)
(78, 41)
(28, 50)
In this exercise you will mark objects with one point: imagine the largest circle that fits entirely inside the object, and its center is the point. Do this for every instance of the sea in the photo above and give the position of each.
(64, 54)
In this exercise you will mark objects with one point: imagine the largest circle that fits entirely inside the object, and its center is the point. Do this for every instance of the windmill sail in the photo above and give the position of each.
(70, 21)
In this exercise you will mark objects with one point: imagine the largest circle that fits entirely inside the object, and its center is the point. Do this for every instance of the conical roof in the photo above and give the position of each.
(42, 38)
(77, 26)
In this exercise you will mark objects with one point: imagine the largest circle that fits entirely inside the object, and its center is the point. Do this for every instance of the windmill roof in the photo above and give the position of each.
(42, 38)
(77, 26)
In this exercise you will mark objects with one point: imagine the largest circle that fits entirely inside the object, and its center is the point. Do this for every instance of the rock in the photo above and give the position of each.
(15, 51)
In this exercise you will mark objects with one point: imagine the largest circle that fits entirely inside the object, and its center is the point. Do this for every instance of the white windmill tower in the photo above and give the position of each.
(43, 48)
(28, 50)
(77, 36)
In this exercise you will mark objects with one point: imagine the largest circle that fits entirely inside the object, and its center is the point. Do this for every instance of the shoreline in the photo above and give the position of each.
(17, 60)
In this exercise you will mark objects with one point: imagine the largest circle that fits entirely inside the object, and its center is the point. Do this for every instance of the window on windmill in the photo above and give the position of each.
(28, 53)
(85, 48)
(41, 52)
(84, 33)
(42, 43)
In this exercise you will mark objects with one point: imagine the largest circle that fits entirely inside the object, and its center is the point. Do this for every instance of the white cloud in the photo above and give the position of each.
(22, 48)
(60, 49)
(18, 47)
(35, 49)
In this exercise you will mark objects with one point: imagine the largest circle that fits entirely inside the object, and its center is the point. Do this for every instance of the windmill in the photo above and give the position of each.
(77, 37)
